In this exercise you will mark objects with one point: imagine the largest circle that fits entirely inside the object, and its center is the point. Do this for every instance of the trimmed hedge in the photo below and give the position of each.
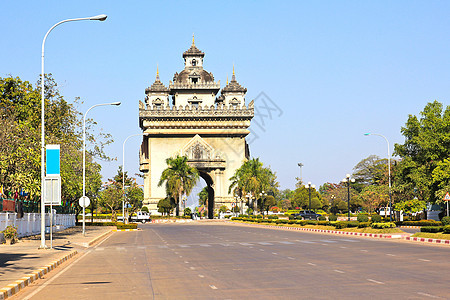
(420, 223)
(447, 229)
(96, 224)
(362, 218)
(363, 224)
(445, 221)
(432, 229)
(322, 218)
(126, 226)
(332, 218)
(272, 217)
(383, 225)
(375, 218)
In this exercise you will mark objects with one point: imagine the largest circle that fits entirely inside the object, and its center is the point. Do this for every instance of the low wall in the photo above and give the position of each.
(30, 224)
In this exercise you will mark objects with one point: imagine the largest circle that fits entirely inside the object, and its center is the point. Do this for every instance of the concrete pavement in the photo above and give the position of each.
(23, 262)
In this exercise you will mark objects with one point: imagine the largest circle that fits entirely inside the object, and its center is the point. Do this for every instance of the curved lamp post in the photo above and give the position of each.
(347, 180)
(84, 156)
(389, 172)
(96, 18)
(310, 186)
(123, 172)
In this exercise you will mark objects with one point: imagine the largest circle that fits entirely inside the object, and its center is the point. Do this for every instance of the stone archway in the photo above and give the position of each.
(210, 187)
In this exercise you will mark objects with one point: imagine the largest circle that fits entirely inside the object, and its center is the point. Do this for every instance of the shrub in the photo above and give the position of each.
(126, 226)
(292, 222)
(362, 218)
(312, 222)
(363, 224)
(302, 222)
(340, 225)
(323, 223)
(447, 229)
(445, 221)
(421, 223)
(432, 229)
(322, 218)
(332, 218)
(383, 225)
(375, 218)
(10, 232)
(291, 217)
(144, 209)
(272, 217)
(259, 216)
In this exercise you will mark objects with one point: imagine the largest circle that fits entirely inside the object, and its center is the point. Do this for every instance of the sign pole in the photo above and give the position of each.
(447, 199)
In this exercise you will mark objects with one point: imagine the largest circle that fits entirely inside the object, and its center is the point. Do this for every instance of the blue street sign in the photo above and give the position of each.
(52, 159)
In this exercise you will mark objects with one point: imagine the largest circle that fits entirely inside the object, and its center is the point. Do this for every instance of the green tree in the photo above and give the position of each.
(370, 171)
(410, 206)
(426, 147)
(179, 178)
(269, 202)
(223, 209)
(372, 197)
(203, 196)
(166, 205)
(187, 211)
(252, 177)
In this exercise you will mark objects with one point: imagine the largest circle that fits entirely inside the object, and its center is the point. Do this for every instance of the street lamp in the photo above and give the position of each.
(300, 165)
(347, 180)
(84, 156)
(250, 200)
(263, 198)
(389, 172)
(98, 18)
(123, 172)
(310, 186)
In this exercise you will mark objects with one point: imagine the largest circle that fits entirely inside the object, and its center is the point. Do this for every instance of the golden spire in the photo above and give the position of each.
(233, 69)
(157, 72)
(227, 79)
(233, 78)
(193, 40)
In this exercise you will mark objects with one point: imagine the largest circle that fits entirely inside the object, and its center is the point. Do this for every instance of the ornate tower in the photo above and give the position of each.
(209, 129)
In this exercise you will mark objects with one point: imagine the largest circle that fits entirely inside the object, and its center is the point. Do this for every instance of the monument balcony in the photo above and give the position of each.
(194, 86)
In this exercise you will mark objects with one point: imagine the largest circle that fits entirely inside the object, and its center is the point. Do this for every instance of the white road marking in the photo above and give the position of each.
(421, 259)
(264, 243)
(274, 253)
(307, 242)
(390, 254)
(201, 276)
(427, 295)
(205, 245)
(245, 244)
(290, 257)
(213, 287)
(100, 249)
(364, 250)
(181, 256)
(186, 262)
(342, 247)
(375, 281)
(328, 241)
(351, 241)
(311, 264)
(192, 268)
(184, 246)
(261, 249)
(286, 243)
(324, 244)
(339, 271)
(226, 245)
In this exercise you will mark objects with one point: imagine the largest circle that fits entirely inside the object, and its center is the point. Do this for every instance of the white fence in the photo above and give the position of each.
(30, 224)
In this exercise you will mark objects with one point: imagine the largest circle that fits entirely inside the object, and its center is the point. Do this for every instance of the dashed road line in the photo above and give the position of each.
(342, 247)
(421, 259)
(427, 295)
(274, 253)
(375, 281)
(290, 257)
(186, 262)
(192, 268)
(213, 287)
(388, 254)
(339, 271)
(311, 264)
(201, 276)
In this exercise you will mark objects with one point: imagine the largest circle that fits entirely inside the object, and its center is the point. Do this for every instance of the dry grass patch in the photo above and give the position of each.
(427, 235)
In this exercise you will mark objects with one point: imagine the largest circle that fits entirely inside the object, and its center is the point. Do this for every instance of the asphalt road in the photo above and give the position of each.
(217, 261)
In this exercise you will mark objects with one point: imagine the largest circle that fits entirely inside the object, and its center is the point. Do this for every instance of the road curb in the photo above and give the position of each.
(18, 285)
(372, 235)
(94, 240)
(427, 240)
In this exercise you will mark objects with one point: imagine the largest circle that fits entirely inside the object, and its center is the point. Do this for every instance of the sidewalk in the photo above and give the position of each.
(25, 257)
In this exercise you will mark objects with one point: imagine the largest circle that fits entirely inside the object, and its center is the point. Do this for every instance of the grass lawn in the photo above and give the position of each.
(428, 235)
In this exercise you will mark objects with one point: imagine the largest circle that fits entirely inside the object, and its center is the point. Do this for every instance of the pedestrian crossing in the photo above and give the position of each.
(242, 244)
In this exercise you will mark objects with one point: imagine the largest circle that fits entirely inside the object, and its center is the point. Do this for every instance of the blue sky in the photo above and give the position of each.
(335, 69)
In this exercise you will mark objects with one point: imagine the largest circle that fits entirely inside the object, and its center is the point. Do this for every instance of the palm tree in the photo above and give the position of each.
(179, 178)
(253, 178)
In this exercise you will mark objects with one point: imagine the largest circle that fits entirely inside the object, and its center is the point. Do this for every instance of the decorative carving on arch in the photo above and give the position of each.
(198, 150)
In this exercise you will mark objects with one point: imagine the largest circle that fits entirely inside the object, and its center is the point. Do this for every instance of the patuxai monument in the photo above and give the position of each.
(191, 118)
